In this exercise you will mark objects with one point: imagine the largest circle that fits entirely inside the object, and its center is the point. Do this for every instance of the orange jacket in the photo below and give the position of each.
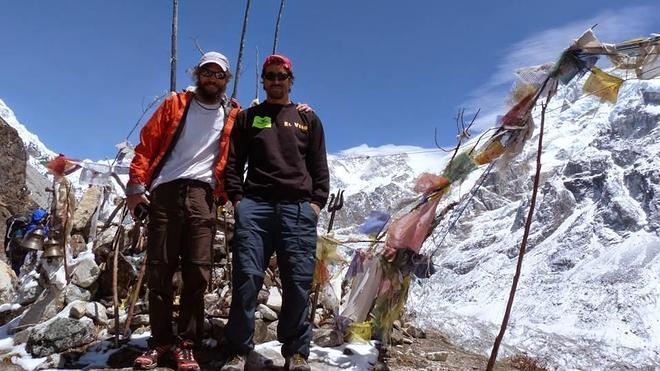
(158, 137)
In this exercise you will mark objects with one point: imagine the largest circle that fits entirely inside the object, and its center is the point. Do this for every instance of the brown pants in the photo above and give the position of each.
(181, 228)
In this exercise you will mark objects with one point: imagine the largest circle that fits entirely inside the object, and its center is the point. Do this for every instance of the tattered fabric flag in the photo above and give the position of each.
(420, 265)
(357, 264)
(459, 168)
(95, 174)
(603, 85)
(62, 166)
(650, 68)
(392, 295)
(492, 150)
(363, 291)
(427, 182)
(579, 57)
(516, 115)
(641, 55)
(410, 231)
(326, 253)
(573, 63)
(374, 223)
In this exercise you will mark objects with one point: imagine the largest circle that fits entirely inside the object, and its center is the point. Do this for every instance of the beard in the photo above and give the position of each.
(276, 92)
(209, 92)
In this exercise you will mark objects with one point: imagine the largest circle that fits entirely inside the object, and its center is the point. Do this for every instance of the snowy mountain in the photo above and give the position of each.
(588, 294)
(38, 177)
(38, 152)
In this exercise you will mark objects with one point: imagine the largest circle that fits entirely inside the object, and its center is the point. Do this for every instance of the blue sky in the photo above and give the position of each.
(79, 73)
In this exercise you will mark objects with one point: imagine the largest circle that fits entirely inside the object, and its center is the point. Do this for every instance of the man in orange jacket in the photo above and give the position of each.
(180, 161)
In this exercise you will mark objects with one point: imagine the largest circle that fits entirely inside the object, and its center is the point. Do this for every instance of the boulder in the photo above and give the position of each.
(437, 356)
(77, 310)
(266, 313)
(29, 290)
(414, 331)
(85, 273)
(9, 312)
(262, 297)
(126, 274)
(49, 303)
(215, 305)
(59, 335)
(73, 292)
(82, 216)
(274, 299)
(263, 332)
(325, 337)
(78, 244)
(96, 312)
(8, 282)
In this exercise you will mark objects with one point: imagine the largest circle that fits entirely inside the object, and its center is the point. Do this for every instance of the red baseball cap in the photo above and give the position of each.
(278, 59)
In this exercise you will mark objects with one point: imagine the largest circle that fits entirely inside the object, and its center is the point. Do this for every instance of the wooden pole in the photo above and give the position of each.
(277, 26)
(175, 21)
(115, 264)
(256, 75)
(136, 292)
(240, 50)
(523, 244)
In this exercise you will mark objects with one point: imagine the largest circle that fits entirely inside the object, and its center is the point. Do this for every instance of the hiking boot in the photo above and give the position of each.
(235, 363)
(185, 359)
(296, 363)
(149, 359)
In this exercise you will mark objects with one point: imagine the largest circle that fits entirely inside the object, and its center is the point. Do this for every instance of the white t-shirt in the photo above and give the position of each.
(195, 153)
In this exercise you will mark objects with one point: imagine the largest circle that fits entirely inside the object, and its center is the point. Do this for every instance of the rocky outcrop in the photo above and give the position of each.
(14, 194)
(59, 335)
(7, 283)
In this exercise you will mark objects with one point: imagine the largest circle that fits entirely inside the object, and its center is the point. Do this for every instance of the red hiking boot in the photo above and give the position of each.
(185, 359)
(149, 359)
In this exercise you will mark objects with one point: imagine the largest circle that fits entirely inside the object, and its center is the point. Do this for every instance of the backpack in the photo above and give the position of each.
(16, 226)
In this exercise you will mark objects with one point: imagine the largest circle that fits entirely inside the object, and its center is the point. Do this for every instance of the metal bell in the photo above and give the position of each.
(52, 249)
(35, 240)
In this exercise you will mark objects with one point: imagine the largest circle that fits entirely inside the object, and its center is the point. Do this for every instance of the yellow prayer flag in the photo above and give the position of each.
(492, 151)
(603, 85)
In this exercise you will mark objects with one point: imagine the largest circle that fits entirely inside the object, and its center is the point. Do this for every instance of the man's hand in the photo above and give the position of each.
(133, 200)
(304, 107)
(316, 209)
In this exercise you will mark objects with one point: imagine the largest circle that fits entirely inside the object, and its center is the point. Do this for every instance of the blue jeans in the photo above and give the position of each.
(288, 229)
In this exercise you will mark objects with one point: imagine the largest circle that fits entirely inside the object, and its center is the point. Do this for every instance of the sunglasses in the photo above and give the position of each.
(272, 76)
(208, 73)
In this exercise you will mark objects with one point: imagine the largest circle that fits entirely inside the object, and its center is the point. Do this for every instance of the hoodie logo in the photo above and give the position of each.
(262, 122)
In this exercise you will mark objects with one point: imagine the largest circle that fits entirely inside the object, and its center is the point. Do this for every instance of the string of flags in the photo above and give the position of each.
(379, 280)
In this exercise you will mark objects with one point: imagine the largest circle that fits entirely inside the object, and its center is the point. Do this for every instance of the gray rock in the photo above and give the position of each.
(263, 332)
(437, 356)
(415, 331)
(327, 337)
(274, 299)
(73, 292)
(28, 291)
(262, 297)
(58, 335)
(8, 281)
(10, 313)
(49, 303)
(96, 312)
(78, 244)
(77, 310)
(85, 273)
(85, 210)
(267, 313)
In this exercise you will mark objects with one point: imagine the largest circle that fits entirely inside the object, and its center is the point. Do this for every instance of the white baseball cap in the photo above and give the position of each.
(214, 57)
